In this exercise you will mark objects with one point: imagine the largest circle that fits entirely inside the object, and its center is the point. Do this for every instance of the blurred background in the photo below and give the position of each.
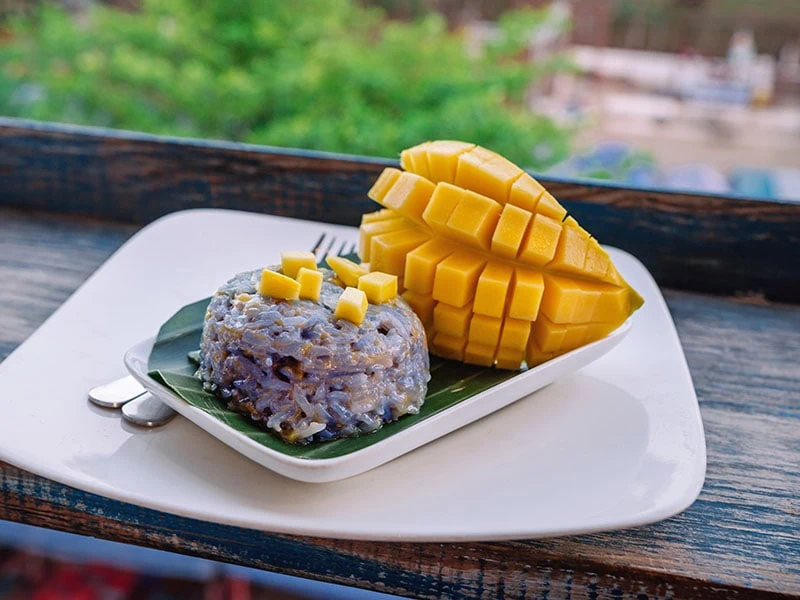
(699, 95)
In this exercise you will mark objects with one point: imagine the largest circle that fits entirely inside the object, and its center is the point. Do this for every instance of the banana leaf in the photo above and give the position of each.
(171, 365)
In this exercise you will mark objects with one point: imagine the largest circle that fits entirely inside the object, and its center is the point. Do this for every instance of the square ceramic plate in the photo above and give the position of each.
(627, 426)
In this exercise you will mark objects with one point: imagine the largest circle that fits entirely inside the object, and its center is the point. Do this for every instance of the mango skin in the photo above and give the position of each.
(500, 274)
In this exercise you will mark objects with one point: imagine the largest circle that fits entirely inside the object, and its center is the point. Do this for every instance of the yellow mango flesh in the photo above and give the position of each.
(278, 285)
(292, 262)
(310, 281)
(498, 272)
(379, 287)
(346, 270)
(351, 306)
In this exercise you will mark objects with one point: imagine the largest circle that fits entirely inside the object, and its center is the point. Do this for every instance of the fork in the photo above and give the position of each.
(140, 407)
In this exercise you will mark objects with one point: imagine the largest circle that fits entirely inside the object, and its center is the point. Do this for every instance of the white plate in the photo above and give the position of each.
(617, 444)
(355, 463)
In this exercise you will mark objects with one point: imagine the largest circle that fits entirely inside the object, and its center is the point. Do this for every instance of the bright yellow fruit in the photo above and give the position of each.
(352, 306)
(310, 281)
(379, 287)
(292, 262)
(346, 270)
(277, 285)
(498, 272)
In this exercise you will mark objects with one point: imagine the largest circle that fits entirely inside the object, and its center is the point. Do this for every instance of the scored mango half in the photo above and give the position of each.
(489, 260)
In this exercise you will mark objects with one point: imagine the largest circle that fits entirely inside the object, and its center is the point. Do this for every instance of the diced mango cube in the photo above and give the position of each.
(526, 295)
(570, 252)
(448, 346)
(422, 304)
(443, 202)
(277, 285)
(378, 215)
(562, 297)
(486, 173)
(534, 355)
(525, 193)
(369, 230)
(310, 281)
(613, 305)
(474, 219)
(421, 264)
(452, 320)
(388, 251)
(540, 243)
(409, 196)
(485, 330)
(416, 160)
(379, 287)
(492, 289)
(383, 184)
(456, 278)
(346, 270)
(479, 354)
(351, 306)
(597, 260)
(515, 334)
(550, 207)
(443, 159)
(292, 262)
(510, 231)
(548, 335)
(509, 358)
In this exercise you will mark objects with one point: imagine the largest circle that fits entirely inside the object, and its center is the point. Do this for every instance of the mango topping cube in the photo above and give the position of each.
(510, 231)
(453, 320)
(540, 243)
(448, 346)
(351, 306)
(526, 295)
(515, 334)
(492, 289)
(388, 251)
(310, 281)
(409, 196)
(456, 278)
(525, 193)
(421, 264)
(346, 270)
(292, 262)
(479, 354)
(379, 287)
(487, 173)
(383, 184)
(277, 285)
(443, 202)
(509, 358)
(422, 304)
(369, 230)
(443, 159)
(415, 160)
(474, 219)
(485, 330)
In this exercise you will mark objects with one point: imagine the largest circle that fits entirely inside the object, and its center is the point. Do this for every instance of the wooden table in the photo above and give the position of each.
(740, 539)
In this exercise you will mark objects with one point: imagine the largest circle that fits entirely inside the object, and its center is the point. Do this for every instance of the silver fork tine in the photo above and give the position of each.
(352, 248)
(342, 251)
(329, 248)
(316, 248)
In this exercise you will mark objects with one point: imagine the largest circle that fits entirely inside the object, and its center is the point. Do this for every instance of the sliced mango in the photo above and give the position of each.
(494, 266)
(351, 306)
(346, 270)
(293, 261)
(310, 281)
(278, 285)
(379, 287)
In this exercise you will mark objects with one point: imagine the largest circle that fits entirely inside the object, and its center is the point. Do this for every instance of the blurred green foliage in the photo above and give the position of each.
(315, 74)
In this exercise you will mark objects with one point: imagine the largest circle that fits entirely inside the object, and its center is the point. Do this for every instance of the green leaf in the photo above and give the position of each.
(169, 363)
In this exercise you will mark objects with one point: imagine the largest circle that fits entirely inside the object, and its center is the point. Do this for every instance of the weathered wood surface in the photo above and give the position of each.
(741, 539)
(695, 242)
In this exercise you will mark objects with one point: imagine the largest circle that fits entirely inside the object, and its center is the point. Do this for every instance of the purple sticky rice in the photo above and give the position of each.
(299, 372)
